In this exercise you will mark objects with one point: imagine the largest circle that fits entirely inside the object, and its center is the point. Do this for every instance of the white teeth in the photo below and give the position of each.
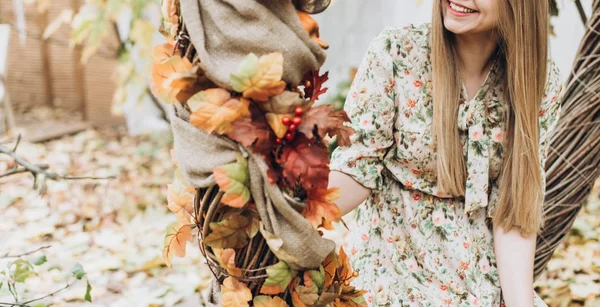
(460, 8)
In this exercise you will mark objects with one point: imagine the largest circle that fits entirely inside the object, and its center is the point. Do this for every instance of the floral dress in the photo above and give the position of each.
(413, 245)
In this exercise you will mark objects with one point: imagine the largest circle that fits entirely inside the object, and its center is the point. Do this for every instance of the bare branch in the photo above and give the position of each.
(26, 253)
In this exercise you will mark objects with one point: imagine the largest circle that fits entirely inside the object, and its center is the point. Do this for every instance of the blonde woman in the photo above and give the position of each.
(452, 123)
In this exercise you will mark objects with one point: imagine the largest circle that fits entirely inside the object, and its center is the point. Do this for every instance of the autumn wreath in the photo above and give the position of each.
(251, 150)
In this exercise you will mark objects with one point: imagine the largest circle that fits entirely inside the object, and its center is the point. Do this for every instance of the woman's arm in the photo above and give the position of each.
(352, 192)
(514, 260)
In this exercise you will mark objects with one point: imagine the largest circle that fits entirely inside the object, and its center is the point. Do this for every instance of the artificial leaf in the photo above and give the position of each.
(253, 132)
(215, 110)
(226, 259)
(176, 238)
(234, 179)
(271, 290)
(171, 74)
(234, 293)
(180, 201)
(316, 277)
(320, 209)
(325, 120)
(276, 124)
(296, 301)
(259, 79)
(349, 295)
(284, 103)
(279, 274)
(313, 88)
(229, 232)
(308, 296)
(307, 162)
(267, 301)
(330, 265)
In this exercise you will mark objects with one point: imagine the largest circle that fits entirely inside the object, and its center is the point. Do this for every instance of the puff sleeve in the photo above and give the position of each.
(371, 107)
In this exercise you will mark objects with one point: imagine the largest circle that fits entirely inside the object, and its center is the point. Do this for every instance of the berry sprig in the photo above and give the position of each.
(292, 124)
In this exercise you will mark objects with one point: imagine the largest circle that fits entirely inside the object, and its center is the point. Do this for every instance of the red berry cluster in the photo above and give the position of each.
(292, 124)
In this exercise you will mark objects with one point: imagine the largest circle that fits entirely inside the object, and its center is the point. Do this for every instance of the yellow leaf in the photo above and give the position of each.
(173, 77)
(215, 110)
(259, 79)
(175, 241)
(276, 124)
(267, 301)
(234, 293)
(226, 259)
(180, 201)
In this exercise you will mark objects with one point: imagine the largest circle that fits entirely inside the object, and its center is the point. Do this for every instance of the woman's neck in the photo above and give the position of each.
(476, 52)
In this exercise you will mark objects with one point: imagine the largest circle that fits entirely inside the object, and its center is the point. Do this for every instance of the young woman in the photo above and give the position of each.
(452, 123)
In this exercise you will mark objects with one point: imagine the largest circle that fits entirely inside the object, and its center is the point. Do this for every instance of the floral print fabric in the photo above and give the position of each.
(413, 245)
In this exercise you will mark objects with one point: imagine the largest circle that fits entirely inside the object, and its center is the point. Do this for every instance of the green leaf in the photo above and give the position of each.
(246, 71)
(88, 290)
(78, 271)
(318, 277)
(40, 260)
(234, 179)
(23, 269)
(280, 274)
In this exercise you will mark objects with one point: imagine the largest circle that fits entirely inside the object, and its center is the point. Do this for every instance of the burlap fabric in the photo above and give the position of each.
(198, 153)
(224, 32)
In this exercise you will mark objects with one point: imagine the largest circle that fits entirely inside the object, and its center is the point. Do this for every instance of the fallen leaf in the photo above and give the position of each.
(228, 233)
(307, 162)
(324, 120)
(175, 241)
(321, 210)
(215, 110)
(235, 293)
(259, 79)
(226, 259)
(234, 179)
(314, 85)
(267, 301)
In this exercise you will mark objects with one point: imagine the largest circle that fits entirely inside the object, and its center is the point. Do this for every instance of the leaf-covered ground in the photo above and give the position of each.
(115, 229)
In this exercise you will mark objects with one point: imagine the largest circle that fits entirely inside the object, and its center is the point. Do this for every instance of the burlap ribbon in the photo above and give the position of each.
(224, 32)
(198, 153)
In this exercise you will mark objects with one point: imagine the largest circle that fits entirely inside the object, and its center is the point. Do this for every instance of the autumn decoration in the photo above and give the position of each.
(283, 125)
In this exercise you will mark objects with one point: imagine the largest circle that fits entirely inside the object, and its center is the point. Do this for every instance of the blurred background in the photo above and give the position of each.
(74, 84)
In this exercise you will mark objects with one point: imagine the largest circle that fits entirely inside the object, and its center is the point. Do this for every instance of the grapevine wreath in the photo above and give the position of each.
(251, 151)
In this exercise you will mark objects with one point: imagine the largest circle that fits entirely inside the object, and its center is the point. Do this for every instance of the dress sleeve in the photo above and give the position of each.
(371, 107)
(549, 114)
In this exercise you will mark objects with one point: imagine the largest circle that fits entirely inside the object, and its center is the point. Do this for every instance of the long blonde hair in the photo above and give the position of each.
(523, 31)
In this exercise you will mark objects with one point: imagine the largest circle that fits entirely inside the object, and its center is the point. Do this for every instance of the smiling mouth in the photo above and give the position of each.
(459, 8)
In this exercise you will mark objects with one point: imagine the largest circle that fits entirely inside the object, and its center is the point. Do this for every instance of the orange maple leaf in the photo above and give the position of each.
(234, 293)
(320, 209)
(215, 110)
(171, 74)
(180, 201)
(259, 79)
(175, 241)
(226, 259)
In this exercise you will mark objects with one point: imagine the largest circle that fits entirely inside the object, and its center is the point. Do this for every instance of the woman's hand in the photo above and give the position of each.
(514, 259)
(352, 192)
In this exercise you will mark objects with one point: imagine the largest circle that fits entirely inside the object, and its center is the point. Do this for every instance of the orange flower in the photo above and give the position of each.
(412, 103)
(418, 84)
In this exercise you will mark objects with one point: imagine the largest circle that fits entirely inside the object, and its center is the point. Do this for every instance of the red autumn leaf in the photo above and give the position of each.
(314, 85)
(325, 120)
(253, 132)
(320, 209)
(307, 162)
